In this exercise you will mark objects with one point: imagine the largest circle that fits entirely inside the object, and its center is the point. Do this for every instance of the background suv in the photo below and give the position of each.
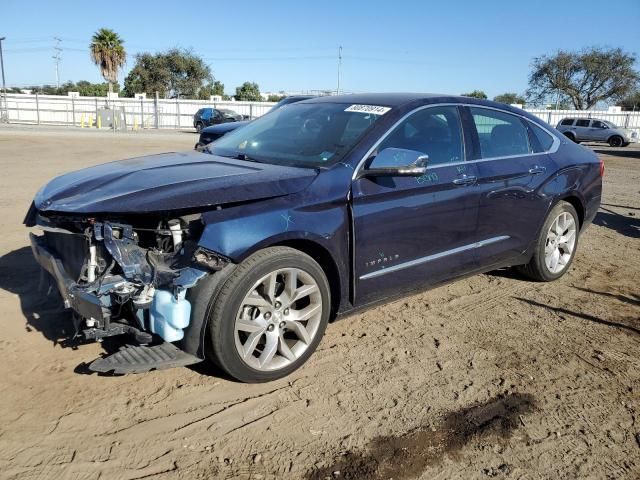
(593, 130)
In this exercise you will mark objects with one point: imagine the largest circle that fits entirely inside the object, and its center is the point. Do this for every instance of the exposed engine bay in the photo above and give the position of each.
(125, 275)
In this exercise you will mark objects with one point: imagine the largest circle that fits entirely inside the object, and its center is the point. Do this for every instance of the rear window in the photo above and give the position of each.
(544, 140)
(567, 121)
(582, 123)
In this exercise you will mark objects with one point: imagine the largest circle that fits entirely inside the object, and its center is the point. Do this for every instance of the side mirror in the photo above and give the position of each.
(397, 162)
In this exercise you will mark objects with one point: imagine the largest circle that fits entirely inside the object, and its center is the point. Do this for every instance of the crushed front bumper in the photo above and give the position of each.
(84, 304)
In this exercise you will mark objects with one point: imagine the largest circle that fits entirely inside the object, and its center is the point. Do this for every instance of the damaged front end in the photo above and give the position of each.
(126, 275)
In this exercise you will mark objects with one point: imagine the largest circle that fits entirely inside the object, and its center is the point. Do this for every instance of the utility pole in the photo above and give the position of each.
(339, 68)
(57, 57)
(3, 117)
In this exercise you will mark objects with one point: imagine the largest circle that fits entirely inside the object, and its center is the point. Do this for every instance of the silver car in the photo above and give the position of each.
(593, 130)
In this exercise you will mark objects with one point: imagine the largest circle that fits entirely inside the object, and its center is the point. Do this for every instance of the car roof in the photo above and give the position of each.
(385, 99)
(399, 99)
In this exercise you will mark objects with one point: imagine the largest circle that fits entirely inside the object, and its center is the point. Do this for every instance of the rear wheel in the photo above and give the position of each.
(556, 246)
(270, 315)
(616, 141)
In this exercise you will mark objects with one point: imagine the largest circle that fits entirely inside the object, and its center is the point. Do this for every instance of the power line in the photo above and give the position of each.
(57, 57)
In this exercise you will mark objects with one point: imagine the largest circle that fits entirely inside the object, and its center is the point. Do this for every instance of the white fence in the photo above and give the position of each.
(176, 114)
(136, 113)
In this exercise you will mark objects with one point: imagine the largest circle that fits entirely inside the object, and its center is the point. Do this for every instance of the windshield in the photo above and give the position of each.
(611, 124)
(307, 135)
(287, 101)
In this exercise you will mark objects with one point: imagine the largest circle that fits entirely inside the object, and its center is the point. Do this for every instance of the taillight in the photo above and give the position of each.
(601, 167)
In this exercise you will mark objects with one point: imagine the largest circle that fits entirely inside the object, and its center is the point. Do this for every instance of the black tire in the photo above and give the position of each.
(615, 141)
(199, 127)
(537, 269)
(570, 136)
(227, 303)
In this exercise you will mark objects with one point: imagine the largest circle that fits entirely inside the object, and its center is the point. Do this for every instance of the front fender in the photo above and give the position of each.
(237, 232)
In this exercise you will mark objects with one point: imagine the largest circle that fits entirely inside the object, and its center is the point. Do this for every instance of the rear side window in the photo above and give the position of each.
(500, 134)
(567, 121)
(544, 140)
(582, 123)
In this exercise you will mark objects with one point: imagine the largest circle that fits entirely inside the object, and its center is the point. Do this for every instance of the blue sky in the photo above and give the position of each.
(445, 46)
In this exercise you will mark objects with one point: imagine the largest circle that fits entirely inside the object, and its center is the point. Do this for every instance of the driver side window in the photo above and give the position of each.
(434, 131)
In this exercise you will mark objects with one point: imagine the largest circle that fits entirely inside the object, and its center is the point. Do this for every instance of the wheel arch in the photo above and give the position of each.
(576, 201)
(326, 261)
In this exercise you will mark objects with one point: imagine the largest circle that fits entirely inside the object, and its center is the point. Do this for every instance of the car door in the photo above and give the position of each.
(512, 164)
(583, 130)
(413, 231)
(599, 131)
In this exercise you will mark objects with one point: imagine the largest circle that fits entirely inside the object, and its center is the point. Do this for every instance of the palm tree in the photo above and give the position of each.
(108, 53)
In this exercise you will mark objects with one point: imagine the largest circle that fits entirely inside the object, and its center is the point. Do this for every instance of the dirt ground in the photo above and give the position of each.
(492, 376)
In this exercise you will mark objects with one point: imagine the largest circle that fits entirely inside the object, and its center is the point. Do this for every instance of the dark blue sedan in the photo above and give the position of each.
(241, 255)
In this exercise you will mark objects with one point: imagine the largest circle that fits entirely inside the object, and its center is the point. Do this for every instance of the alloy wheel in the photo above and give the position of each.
(560, 242)
(278, 319)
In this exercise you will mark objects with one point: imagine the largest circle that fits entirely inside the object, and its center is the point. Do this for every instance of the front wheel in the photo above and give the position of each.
(616, 141)
(270, 315)
(556, 246)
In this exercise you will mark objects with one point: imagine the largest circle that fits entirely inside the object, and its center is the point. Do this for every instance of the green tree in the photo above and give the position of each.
(85, 88)
(218, 89)
(586, 77)
(88, 89)
(476, 94)
(248, 92)
(108, 53)
(275, 98)
(212, 89)
(174, 73)
(510, 98)
(631, 102)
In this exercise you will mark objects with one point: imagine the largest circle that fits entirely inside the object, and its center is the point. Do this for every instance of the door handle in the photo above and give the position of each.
(465, 180)
(536, 170)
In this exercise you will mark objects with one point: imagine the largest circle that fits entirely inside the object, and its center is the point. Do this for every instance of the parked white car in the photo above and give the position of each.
(593, 130)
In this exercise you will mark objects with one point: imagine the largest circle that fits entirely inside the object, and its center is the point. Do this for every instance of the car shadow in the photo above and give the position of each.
(617, 152)
(40, 301)
(619, 206)
(624, 225)
(585, 316)
(633, 299)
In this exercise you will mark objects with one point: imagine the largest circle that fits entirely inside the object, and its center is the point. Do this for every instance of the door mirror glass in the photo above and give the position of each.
(397, 162)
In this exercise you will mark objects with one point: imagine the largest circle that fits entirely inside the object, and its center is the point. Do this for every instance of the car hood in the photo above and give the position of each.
(224, 127)
(170, 181)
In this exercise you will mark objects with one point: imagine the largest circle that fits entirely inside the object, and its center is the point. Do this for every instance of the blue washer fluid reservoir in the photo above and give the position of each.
(169, 314)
